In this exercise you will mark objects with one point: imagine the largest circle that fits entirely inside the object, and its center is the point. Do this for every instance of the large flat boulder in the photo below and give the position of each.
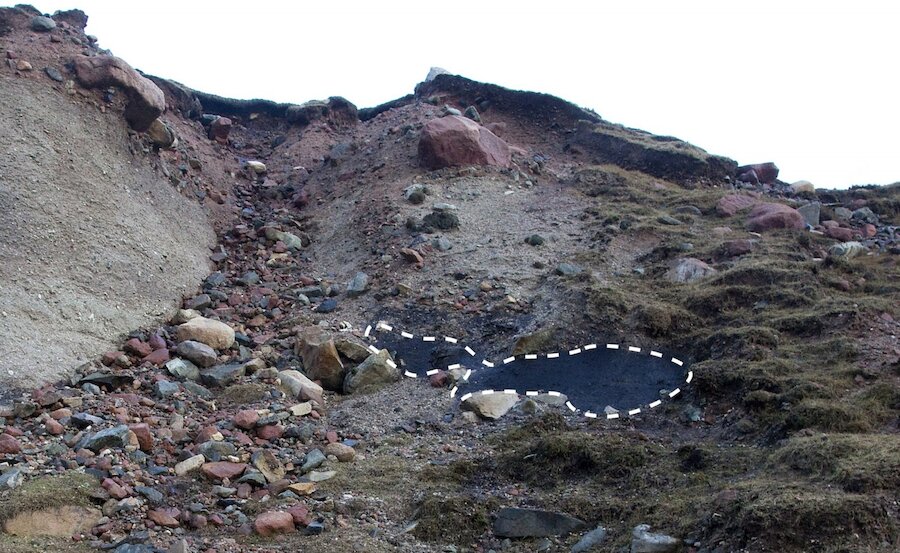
(146, 101)
(772, 216)
(454, 141)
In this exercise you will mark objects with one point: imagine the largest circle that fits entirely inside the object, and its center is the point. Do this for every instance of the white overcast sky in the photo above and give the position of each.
(812, 86)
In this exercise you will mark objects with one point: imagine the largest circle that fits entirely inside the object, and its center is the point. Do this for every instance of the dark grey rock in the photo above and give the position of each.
(197, 389)
(165, 389)
(54, 74)
(865, 215)
(668, 220)
(568, 269)
(215, 451)
(215, 279)
(248, 279)
(153, 495)
(197, 353)
(442, 220)
(111, 438)
(111, 381)
(313, 460)
(84, 420)
(534, 240)
(472, 114)
(513, 522)
(327, 306)
(182, 368)
(199, 302)
(11, 479)
(222, 375)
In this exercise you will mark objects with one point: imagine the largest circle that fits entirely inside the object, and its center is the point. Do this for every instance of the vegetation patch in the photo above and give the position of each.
(457, 520)
(71, 488)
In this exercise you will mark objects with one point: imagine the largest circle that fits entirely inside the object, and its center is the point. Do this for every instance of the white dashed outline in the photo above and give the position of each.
(383, 326)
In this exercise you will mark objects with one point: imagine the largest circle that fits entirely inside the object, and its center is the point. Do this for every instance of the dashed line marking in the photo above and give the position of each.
(530, 356)
(391, 364)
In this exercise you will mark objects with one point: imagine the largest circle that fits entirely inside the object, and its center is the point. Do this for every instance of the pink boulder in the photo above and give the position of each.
(768, 216)
(765, 173)
(146, 101)
(273, 522)
(731, 204)
(219, 129)
(454, 141)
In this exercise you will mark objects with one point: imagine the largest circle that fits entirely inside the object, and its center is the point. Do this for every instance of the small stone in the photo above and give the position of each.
(373, 373)
(491, 406)
(643, 541)
(688, 270)
(210, 332)
(313, 460)
(257, 167)
(144, 437)
(183, 369)
(668, 220)
(54, 74)
(327, 306)
(11, 479)
(246, 419)
(590, 540)
(321, 476)
(220, 470)
(116, 437)
(189, 465)
(273, 522)
(222, 375)
(152, 495)
(568, 269)
(164, 389)
(344, 453)
(358, 285)
(162, 518)
(472, 113)
(535, 240)
(267, 464)
(301, 409)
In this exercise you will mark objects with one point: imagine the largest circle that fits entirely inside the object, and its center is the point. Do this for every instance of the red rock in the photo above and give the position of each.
(269, 432)
(219, 130)
(223, 469)
(454, 141)
(331, 436)
(733, 203)
(869, 230)
(840, 233)
(830, 224)
(412, 256)
(9, 445)
(246, 419)
(244, 490)
(54, 428)
(300, 514)
(61, 413)
(114, 489)
(734, 248)
(273, 522)
(216, 520)
(198, 521)
(770, 216)
(163, 518)
(157, 342)
(439, 379)
(137, 347)
(765, 173)
(158, 357)
(144, 436)
(146, 101)
(14, 432)
(110, 357)
(206, 433)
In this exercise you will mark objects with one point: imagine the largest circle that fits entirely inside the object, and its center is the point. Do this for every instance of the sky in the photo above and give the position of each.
(812, 86)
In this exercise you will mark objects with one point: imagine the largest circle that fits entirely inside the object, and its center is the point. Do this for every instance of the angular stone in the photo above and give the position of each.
(269, 465)
(9, 445)
(320, 357)
(491, 406)
(213, 333)
(299, 386)
(117, 437)
(164, 389)
(358, 285)
(344, 453)
(220, 470)
(301, 409)
(222, 375)
(373, 373)
(313, 460)
(42, 24)
(513, 522)
(145, 102)
(162, 518)
(764, 173)
(688, 270)
(11, 479)
(321, 476)
(811, 213)
(246, 419)
(181, 368)
(216, 450)
(189, 465)
(273, 522)
(144, 436)
(456, 141)
(161, 135)
(643, 541)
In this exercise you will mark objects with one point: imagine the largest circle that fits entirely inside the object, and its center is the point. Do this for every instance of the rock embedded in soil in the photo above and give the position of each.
(189, 465)
(342, 452)
(688, 270)
(643, 541)
(773, 216)
(213, 333)
(299, 386)
(731, 204)
(146, 101)
(456, 141)
(590, 540)
(358, 284)
(197, 353)
(117, 437)
(220, 470)
(273, 522)
(222, 375)
(513, 522)
(42, 24)
(491, 406)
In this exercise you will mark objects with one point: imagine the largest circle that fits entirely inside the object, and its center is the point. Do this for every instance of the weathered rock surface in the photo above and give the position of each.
(772, 216)
(491, 406)
(320, 358)
(455, 141)
(213, 333)
(146, 101)
(376, 371)
(513, 522)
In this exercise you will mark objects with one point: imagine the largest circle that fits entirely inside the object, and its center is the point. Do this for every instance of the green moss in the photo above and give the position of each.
(856, 462)
(71, 488)
(242, 394)
(459, 520)
(830, 415)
